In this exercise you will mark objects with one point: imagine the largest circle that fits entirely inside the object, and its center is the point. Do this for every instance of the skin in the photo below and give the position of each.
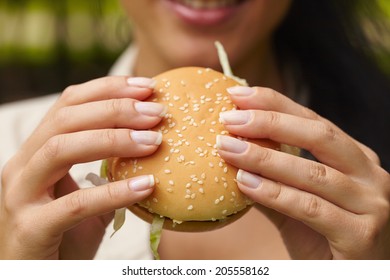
(320, 209)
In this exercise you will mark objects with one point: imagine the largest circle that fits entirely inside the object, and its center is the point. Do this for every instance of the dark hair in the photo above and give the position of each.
(346, 85)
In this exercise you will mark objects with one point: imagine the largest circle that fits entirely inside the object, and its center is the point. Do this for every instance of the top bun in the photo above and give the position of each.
(193, 183)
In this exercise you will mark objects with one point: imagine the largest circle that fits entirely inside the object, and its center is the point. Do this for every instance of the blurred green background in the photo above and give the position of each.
(46, 45)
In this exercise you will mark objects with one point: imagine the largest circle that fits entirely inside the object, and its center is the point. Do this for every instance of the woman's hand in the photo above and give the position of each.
(333, 208)
(43, 213)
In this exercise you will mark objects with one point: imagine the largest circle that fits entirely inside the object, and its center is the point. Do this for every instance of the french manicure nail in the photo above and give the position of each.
(248, 179)
(141, 183)
(141, 82)
(240, 91)
(151, 109)
(235, 117)
(146, 137)
(231, 144)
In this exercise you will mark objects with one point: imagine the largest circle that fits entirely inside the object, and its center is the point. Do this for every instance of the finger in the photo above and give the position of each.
(327, 143)
(319, 214)
(107, 88)
(67, 211)
(56, 157)
(268, 99)
(67, 185)
(303, 174)
(113, 113)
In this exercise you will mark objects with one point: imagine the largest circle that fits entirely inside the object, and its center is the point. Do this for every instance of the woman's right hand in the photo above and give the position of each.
(43, 212)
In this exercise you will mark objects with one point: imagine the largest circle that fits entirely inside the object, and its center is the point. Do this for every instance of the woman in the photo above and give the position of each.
(318, 207)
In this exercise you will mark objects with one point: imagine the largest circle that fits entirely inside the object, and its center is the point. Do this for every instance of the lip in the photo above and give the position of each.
(201, 17)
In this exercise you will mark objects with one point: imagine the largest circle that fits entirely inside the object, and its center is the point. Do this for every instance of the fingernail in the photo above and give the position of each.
(151, 109)
(141, 183)
(146, 137)
(231, 144)
(141, 82)
(235, 117)
(248, 179)
(241, 91)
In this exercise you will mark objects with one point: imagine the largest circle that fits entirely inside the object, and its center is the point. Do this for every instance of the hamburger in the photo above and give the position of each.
(195, 188)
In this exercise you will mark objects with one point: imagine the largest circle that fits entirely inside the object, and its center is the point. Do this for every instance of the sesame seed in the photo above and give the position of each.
(167, 171)
(190, 207)
(193, 195)
(221, 198)
(166, 158)
(201, 190)
(216, 179)
(224, 212)
(171, 182)
(203, 175)
(188, 185)
(200, 182)
(155, 200)
(208, 85)
(211, 164)
(170, 190)
(216, 201)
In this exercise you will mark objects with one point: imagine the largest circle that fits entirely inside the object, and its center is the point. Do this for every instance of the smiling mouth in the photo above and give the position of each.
(208, 4)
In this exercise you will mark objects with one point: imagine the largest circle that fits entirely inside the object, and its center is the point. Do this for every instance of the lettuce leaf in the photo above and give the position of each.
(155, 234)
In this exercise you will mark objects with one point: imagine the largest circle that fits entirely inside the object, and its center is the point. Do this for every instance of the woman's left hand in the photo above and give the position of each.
(334, 208)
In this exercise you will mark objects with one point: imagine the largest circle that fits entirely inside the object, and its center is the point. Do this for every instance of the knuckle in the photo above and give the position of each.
(111, 192)
(76, 203)
(273, 119)
(275, 193)
(61, 116)
(110, 138)
(328, 132)
(317, 173)
(52, 148)
(264, 155)
(311, 206)
(68, 93)
(269, 93)
(6, 174)
(114, 106)
(371, 233)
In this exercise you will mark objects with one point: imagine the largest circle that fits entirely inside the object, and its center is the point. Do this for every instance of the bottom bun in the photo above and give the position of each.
(188, 226)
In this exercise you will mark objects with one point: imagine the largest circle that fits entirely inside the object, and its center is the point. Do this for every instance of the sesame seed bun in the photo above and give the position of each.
(195, 187)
